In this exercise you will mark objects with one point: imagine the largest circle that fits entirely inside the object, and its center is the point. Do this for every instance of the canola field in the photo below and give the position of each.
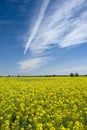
(43, 103)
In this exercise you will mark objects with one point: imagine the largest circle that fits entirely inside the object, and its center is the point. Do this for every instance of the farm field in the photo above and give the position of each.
(43, 103)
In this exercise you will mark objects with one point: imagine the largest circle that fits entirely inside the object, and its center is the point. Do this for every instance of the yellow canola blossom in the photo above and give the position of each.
(43, 103)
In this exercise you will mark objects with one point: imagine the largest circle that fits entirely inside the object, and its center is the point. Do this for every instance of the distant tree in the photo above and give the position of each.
(76, 74)
(9, 75)
(71, 74)
(18, 75)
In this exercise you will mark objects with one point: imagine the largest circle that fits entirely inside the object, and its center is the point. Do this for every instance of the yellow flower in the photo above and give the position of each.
(22, 129)
(1, 118)
(7, 122)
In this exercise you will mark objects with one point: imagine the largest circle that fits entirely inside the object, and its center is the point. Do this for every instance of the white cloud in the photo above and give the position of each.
(31, 64)
(67, 68)
(36, 27)
(63, 23)
(80, 70)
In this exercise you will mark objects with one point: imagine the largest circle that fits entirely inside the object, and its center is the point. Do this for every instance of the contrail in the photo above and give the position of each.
(36, 27)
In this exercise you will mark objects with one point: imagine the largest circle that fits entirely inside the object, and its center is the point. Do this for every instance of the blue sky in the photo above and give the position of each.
(43, 37)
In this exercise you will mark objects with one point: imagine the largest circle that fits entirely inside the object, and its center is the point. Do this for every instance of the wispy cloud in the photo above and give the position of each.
(31, 64)
(62, 22)
(68, 70)
(65, 26)
(36, 27)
